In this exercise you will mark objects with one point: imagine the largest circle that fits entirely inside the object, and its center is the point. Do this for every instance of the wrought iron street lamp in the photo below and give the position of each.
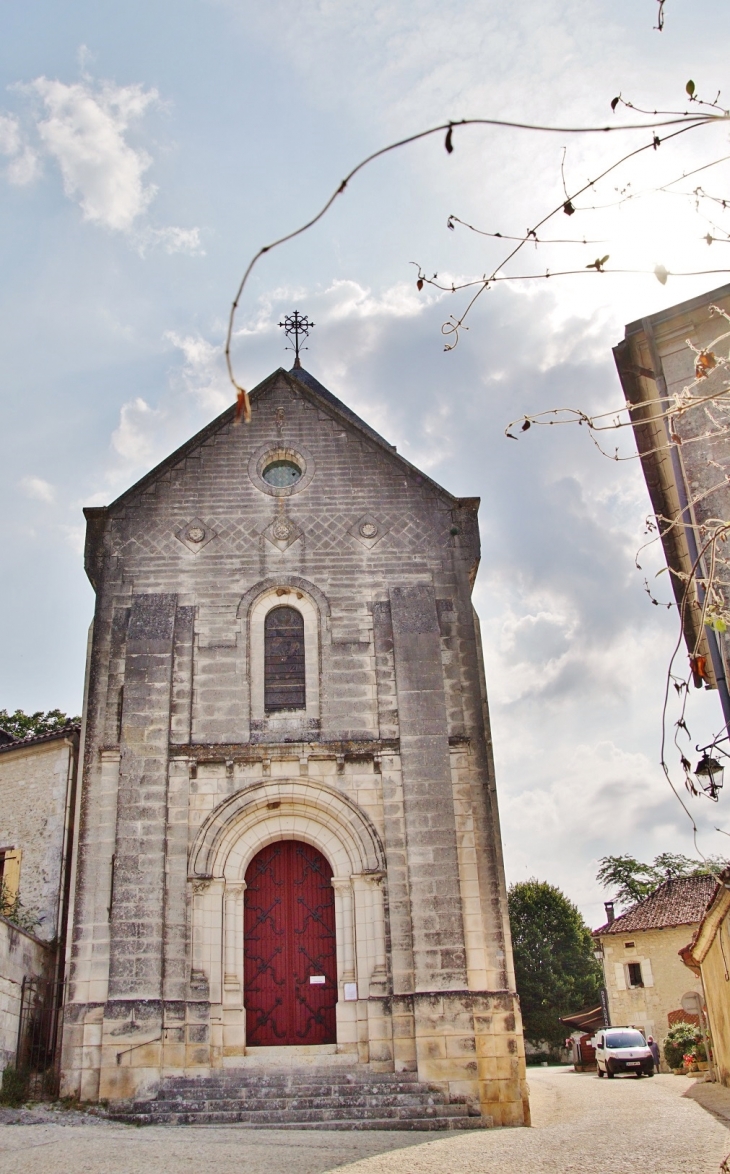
(709, 774)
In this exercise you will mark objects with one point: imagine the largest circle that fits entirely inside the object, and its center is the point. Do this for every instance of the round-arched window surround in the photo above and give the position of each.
(295, 696)
(281, 469)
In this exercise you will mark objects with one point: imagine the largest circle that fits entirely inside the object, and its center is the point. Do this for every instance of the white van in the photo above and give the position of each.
(622, 1049)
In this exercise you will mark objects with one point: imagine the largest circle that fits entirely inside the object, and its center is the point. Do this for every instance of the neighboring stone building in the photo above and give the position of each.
(37, 802)
(686, 467)
(708, 956)
(645, 977)
(37, 797)
(289, 844)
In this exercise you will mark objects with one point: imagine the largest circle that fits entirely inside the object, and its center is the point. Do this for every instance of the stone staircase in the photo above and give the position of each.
(314, 1099)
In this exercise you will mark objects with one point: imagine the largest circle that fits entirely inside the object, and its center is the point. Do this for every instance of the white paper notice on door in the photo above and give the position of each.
(317, 979)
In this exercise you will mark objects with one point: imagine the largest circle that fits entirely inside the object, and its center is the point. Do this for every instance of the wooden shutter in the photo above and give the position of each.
(11, 873)
(284, 683)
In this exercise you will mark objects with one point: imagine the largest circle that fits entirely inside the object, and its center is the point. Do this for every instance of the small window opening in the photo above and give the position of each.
(635, 978)
(281, 474)
(284, 680)
(629, 945)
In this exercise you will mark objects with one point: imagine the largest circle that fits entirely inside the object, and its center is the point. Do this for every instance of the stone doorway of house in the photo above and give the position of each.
(290, 965)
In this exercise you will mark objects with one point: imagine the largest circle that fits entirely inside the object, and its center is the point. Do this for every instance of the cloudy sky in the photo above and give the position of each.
(147, 149)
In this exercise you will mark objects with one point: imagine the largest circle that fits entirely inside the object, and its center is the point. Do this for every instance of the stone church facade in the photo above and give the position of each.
(288, 844)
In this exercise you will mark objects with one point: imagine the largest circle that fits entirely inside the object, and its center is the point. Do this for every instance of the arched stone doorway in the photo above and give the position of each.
(290, 951)
(311, 813)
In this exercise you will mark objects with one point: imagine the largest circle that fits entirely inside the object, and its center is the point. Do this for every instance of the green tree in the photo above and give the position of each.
(631, 880)
(555, 969)
(28, 725)
(13, 909)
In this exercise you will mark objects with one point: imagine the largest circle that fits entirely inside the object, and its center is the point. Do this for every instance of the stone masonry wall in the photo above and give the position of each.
(33, 788)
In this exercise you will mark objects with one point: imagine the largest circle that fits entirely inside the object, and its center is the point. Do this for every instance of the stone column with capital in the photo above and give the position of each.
(233, 944)
(347, 1026)
(344, 929)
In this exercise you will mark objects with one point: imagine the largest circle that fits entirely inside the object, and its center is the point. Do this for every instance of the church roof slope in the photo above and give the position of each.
(681, 901)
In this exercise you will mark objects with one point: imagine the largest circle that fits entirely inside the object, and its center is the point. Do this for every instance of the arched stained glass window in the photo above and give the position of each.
(284, 682)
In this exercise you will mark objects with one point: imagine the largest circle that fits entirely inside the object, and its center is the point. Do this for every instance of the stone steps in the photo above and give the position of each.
(300, 1100)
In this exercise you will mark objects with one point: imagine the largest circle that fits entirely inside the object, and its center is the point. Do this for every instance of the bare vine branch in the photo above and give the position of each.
(688, 122)
(660, 16)
(454, 324)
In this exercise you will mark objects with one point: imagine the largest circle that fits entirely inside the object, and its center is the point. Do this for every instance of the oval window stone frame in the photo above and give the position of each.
(275, 450)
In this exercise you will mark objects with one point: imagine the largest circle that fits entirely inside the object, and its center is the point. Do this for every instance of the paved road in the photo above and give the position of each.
(668, 1125)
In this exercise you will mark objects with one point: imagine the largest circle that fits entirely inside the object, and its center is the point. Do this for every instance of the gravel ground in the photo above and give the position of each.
(668, 1125)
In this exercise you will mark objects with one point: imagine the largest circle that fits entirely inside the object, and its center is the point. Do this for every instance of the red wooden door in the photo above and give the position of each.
(289, 933)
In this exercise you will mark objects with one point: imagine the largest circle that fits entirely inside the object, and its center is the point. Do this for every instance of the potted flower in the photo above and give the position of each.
(680, 1042)
(700, 1052)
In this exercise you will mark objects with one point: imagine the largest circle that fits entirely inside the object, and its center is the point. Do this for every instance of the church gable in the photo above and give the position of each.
(209, 500)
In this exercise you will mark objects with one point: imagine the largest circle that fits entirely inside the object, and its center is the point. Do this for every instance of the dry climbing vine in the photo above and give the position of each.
(661, 127)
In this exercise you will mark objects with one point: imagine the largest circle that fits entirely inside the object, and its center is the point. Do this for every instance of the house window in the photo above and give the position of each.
(629, 945)
(284, 670)
(634, 969)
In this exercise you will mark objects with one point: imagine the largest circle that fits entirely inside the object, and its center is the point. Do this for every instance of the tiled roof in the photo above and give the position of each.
(38, 739)
(681, 901)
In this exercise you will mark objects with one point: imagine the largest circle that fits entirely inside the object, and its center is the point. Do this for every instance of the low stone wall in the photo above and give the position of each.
(21, 955)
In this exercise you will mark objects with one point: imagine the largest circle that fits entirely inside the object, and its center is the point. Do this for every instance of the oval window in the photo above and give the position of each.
(281, 474)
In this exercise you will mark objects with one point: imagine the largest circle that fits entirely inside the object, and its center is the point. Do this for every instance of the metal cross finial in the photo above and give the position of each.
(296, 326)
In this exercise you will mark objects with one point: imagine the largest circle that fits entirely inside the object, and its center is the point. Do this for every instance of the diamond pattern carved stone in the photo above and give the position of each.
(368, 530)
(282, 532)
(195, 535)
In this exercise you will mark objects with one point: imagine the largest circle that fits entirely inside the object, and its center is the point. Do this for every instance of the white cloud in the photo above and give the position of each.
(84, 132)
(198, 390)
(203, 375)
(38, 489)
(9, 135)
(24, 168)
(75, 537)
(84, 128)
(25, 164)
(171, 239)
(134, 438)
